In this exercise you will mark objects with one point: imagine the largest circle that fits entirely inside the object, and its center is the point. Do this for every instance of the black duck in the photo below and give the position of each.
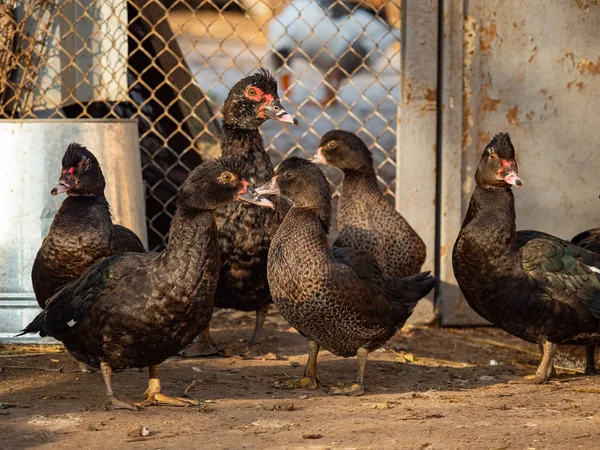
(245, 230)
(533, 285)
(138, 309)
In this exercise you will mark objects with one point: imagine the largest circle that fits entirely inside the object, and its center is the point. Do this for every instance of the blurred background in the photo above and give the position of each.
(171, 64)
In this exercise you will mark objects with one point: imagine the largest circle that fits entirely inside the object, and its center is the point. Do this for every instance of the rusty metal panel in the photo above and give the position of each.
(416, 137)
(531, 69)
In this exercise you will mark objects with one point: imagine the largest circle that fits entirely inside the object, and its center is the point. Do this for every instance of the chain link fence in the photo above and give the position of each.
(171, 64)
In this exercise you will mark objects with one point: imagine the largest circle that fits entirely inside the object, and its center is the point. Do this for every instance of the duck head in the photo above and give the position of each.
(344, 150)
(302, 183)
(81, 174)
(498, 168)
(215, 183)
(253, 100)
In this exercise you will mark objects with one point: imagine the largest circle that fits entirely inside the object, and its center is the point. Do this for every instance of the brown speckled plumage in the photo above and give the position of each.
(366, 220)
(336, 297)
(82, 231)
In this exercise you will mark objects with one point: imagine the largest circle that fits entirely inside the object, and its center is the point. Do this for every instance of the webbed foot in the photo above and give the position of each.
(354, 390)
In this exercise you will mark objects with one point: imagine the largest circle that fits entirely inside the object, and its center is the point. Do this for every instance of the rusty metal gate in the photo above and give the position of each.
(171, 63)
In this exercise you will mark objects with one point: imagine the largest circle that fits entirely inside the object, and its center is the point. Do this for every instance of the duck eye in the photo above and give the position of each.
(331, 144)
(288, 175)
(493, 156)
(251, 91)
(226, 176)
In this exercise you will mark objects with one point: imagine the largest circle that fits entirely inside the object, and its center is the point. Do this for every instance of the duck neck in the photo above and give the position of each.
(192, 237)
(303, 225)
(248, 145)
(360, 182)
(85, 210)
(491, 224)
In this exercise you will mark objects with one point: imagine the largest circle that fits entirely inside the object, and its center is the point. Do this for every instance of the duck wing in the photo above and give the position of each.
(125, 240)
(73, 302)
(565, 272)
(589, 239)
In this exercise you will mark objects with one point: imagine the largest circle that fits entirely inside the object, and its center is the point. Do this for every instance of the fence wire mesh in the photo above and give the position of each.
(171, 64)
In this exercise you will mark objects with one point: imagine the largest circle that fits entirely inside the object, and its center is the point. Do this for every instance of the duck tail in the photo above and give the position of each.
(35, 326)
(405, 293)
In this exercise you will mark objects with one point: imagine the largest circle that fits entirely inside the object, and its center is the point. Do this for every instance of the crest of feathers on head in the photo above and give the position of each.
(75, 153)
(502, 145)
(263, 79)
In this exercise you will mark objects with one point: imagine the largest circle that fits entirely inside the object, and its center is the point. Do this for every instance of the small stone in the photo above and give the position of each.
(493, 362)
(382, 405)
(283, 406)
(294, 364)
(312, 436)
(303, 397)
(139, 431)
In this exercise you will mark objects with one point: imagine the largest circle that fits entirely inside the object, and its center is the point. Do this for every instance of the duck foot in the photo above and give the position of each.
(203, 345)
(200, 349)
(354, 390)
(529, 380)
(252, 351)
(113, 404)
(83, 367)
(299, 383)
(159, 399)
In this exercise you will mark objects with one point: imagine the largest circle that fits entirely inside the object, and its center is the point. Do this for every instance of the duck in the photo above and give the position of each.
(338, 37)
(138, 309)
(336, 297)
(82, 231)
(246, 230)
(590, 240)
(533, 285)
(366, 220)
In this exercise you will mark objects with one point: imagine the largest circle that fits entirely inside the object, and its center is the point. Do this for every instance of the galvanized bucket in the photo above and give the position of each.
(32, 152)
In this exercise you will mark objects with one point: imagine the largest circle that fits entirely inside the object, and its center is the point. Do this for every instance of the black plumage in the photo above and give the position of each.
(366, 220)
(338, 297)
(245, 230)
(590, 240)
(138, 309)
(82, 231)
(533, 285)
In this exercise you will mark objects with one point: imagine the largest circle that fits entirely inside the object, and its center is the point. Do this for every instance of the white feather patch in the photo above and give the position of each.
(594, 269)
(71, 323)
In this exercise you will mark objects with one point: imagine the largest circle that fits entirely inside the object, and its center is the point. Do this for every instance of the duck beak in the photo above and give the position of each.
(509, 174)
(269, 188)
(250, 195)
(318, 157)
(275, 111)
(66, 182)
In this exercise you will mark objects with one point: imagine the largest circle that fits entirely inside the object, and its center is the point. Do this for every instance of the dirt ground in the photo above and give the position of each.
(428, 388)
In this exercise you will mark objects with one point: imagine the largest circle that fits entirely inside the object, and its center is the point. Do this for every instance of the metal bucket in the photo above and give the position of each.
(32, 152)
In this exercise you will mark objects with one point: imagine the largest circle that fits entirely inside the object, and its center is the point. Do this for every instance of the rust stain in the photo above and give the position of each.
(530, 115)
(442, 251)
(513, 116)
(431, 95)
(580, 86)
(470, 25)
(407, 92)
(487, 35)
(543, 91)
(488, 103)
(534, 50)
(585, 66)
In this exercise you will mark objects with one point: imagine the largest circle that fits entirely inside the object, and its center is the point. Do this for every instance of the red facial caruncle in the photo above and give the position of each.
(508, 173)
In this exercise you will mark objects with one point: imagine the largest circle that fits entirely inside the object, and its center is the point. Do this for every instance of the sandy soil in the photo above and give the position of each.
(429, 388)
